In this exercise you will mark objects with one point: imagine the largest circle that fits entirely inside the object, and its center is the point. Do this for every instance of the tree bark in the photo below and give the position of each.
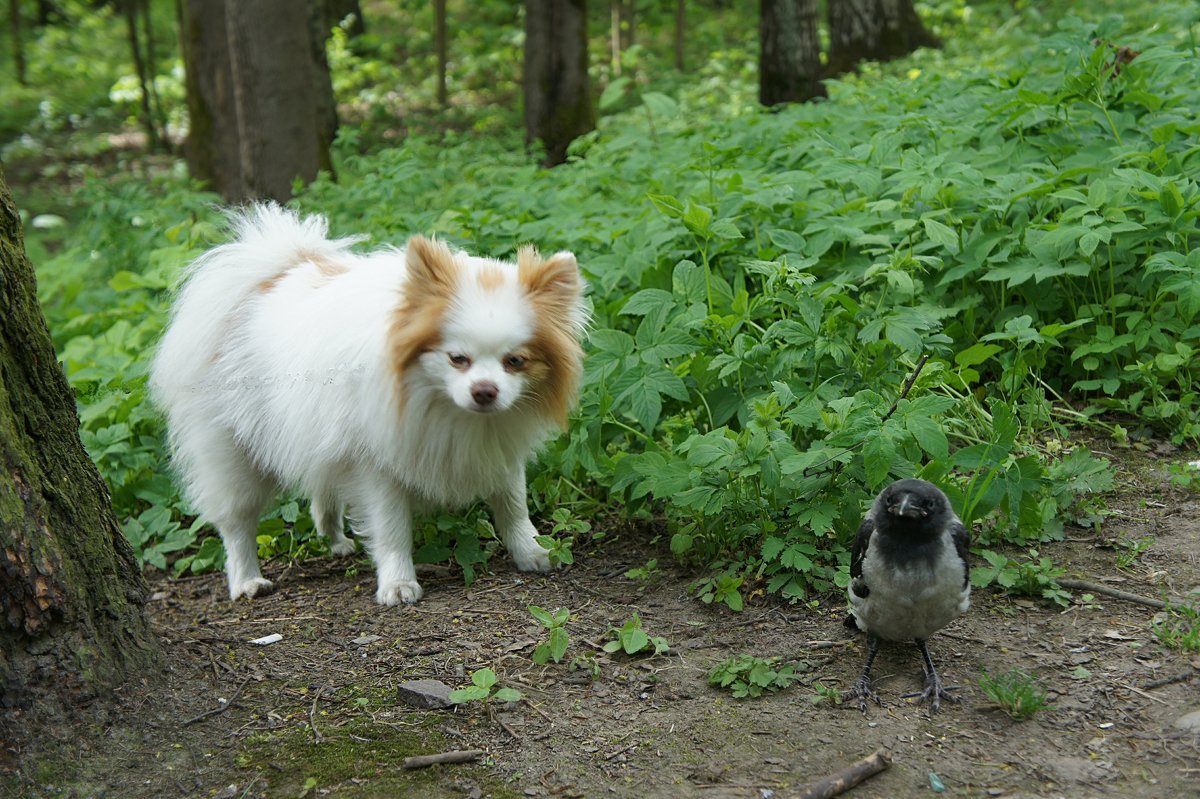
(212, 145)
(790, 52)
(558, 101)
(18, 46)
(260, 97)
(873, 30)
(130, 10)
(72, 594)
(680, 32)
(439, 38)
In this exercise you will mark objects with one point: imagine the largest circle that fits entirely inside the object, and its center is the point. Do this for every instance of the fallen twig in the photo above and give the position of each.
(1115, 593)
(847, 778)
(218, 710)
(461, 756)
(312, 717)
(1174, 678)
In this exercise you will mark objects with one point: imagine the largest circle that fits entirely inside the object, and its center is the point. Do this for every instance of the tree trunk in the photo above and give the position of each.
(14, 21)
(614, 36)
(72, 593)
(790, 56)
(130, 9)
(873, 30)
(439, 38)
(558, 101)
(680, 32)
(212, 145)
(260, 96)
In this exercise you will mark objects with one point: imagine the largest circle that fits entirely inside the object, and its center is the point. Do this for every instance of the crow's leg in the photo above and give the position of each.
(934, 691)
(863, 690)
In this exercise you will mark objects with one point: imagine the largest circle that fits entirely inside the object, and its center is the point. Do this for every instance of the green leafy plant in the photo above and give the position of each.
(1037, 577)
(645, 574)
(747, 675)
(1015, 692)
(631, 639)
(482, 689)
(825, 693)
(557, 640)
(1131, 550)
(1178, 627)
(562, 538)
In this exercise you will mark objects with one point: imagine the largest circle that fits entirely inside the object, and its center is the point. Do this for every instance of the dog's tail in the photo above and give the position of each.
(268, 241)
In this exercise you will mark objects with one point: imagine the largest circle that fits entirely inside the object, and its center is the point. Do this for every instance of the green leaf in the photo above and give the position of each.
(635, 641)
(941, 233)
(484, 678)
(698, 219)
(507, 695)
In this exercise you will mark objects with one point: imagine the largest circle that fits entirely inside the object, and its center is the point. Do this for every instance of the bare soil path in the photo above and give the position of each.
(316, 713)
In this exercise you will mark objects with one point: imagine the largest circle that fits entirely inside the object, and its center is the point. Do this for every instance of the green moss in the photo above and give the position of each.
(363, 759)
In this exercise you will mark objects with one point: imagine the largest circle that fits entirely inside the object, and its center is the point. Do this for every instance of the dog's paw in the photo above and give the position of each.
(255, 586)
(341, 549)
(404, 591)
(532, 559)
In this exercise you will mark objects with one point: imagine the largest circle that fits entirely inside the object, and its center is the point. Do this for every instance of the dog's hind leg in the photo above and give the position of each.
(329, 514)
(230, 492)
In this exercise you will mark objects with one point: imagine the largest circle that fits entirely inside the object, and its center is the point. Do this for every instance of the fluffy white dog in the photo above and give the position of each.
(387, 382)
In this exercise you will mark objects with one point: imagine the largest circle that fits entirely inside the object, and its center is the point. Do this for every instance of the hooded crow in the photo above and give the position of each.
(908, 577)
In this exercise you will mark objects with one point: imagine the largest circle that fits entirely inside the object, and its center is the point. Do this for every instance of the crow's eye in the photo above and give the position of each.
(514, 362)
(459, 361)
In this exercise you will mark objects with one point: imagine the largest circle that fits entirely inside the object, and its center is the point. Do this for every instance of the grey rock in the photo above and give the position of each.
(425, 694)
(1189, 721)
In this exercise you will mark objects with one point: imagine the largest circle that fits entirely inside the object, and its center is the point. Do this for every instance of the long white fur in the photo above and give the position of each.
(275, 372)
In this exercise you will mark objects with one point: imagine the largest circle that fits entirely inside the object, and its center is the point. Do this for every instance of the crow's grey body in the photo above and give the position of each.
(909, 575)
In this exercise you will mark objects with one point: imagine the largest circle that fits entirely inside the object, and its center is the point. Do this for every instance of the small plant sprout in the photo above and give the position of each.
(747, 675)
(825, 693)
(556, 643)
(1178, 627)
(482, 688)
(642, 575)
(633, 640)
(1015, 692)
(562, 537)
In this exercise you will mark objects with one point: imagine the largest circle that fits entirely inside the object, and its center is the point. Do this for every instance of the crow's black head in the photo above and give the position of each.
(913, 504)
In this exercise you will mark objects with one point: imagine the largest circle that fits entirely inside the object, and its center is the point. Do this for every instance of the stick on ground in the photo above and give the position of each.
(1097, 588)
(847, 778)
(463, 756)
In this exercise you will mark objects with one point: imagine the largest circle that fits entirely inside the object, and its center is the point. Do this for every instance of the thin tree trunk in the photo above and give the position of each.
(790, 55)
(439, 36)
(558, 101)
(680, 32)
(158, 116)
(211, 149)
(130, 9)
(72, 593)
(14, 20)
(615, 36)
(274, 96)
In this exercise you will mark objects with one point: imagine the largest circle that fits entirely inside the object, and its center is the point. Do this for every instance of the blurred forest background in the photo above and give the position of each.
(779, 219)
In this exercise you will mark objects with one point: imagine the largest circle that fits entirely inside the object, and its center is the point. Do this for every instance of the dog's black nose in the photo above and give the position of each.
(484, 392)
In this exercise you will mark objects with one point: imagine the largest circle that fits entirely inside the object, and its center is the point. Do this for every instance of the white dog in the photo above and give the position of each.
(389, 382)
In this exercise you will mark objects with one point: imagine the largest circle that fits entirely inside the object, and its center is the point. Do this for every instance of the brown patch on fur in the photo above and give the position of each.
(326, 267)
(432, 277)
(490, 278)
(555, 289)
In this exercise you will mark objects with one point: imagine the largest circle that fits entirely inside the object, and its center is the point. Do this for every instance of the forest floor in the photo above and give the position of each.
(316, 714)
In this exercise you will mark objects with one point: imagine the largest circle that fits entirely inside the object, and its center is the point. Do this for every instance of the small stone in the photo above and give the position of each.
(228, 792)
(1189, 721)
(366, 639)
(425, 694)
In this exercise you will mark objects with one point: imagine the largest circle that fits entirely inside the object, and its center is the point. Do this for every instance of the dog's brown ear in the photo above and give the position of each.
(555, 280)
(430, 265)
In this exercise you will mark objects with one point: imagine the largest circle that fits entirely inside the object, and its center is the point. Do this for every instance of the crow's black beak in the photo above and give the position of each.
(908, 507)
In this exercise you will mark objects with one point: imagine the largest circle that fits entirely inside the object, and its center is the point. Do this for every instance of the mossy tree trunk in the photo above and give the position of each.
(558, 94)
(72, 592)
(789, 64)
(873, 30)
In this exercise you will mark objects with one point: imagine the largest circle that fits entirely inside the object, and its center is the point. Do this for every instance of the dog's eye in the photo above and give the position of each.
(459, 361)
(514, 362)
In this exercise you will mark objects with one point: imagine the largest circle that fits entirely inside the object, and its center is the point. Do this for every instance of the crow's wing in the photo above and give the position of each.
(859, 550)
(962, 540)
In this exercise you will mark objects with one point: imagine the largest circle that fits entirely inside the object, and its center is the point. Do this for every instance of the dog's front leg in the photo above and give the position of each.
(512, 522)
(389, 538)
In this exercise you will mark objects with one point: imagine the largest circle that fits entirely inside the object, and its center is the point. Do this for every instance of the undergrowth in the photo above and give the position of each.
(764, 285)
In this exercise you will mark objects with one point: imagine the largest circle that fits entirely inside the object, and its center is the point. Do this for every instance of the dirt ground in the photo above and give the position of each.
(316, 714)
